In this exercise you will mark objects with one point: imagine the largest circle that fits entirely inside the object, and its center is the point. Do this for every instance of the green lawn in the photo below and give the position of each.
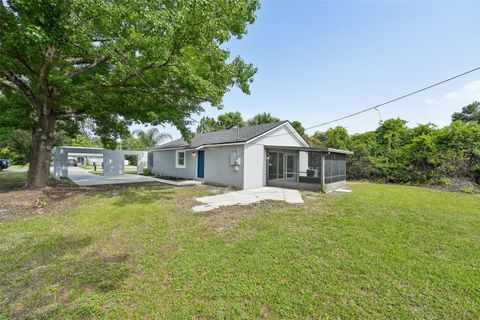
(100, 170)
(382, 251)
(18, 167)
(12, 181)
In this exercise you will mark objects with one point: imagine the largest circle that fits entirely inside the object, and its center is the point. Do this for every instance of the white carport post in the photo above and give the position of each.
(113, 163)
(60, 163)
(142, 161)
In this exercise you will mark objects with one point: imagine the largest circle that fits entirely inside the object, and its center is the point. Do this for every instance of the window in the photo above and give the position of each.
(180, 159)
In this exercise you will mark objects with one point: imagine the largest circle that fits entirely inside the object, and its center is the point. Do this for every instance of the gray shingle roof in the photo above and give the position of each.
(233, 135)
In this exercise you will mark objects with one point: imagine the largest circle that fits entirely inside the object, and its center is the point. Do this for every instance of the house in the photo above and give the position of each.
(271, 154)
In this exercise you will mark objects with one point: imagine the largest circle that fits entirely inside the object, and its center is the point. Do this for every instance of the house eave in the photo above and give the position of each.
(187, 148)
(311, 149)
(290, 127)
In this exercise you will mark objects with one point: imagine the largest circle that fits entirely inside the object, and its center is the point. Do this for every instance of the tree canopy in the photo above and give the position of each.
(260, 118)
(151, 137)
(470, 113)
(115, 63)
(224, 121)
(395, 153)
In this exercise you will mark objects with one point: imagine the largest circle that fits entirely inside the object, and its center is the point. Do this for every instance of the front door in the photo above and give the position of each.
(201, 164)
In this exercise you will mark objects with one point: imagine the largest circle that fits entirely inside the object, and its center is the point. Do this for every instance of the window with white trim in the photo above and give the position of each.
(180, 159)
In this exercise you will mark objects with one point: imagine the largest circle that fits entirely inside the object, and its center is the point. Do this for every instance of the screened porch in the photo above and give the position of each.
(306, 168)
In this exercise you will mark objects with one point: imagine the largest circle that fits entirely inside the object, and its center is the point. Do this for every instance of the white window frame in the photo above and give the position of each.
(177, 165)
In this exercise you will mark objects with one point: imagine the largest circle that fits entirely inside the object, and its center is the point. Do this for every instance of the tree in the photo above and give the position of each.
(151, 138)
(80, 140)
(115, 63)
(333, 138)
(132, 143)
(207, 124)
(297, 125)
(224, 121)
(17, 146)
(262, 118)
(230, 120)
(470, 113)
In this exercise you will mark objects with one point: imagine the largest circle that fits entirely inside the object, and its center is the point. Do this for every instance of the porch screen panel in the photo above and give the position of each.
(314, 164)
(272, 165)
(335, 168)
(275, 165)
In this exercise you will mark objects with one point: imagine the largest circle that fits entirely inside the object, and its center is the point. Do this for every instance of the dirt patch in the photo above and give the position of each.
(176, 179)
(58, 197)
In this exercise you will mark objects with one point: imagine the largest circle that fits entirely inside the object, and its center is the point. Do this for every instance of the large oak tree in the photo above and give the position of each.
(114, 62)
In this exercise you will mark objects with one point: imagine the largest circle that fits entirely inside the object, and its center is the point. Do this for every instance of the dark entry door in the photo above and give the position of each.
(201, 164)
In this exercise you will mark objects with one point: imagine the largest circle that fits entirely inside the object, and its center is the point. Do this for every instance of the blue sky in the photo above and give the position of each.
(318, 61)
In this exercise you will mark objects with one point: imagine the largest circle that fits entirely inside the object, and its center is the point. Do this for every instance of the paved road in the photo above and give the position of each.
(82, 178)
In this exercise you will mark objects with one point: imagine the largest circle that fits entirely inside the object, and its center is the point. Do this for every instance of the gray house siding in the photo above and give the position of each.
(164, 164)
(218, 169)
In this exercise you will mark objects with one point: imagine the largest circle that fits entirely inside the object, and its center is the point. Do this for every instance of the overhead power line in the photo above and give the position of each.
(375, 107)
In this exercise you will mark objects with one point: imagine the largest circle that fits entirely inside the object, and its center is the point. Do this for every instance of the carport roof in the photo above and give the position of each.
(90, 151)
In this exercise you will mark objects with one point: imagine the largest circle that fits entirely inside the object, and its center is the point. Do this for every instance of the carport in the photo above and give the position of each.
(113, 160)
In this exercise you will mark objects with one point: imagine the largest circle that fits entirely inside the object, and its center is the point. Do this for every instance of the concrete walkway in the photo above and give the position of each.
(245, 197)
(82, 178)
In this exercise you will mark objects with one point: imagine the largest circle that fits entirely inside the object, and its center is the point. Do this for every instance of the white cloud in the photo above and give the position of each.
(441, 109)
(466, 95)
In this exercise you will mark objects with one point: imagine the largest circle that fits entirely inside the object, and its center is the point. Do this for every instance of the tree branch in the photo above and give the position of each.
(22, 87)
(17, 57)
(94, 64)
(9, 84)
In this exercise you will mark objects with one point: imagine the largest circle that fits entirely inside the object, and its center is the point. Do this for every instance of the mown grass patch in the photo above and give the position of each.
(12, 180)
(381, 251)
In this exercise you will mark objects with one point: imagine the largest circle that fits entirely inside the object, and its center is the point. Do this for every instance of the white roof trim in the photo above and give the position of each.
(289, 126)
(202, 146)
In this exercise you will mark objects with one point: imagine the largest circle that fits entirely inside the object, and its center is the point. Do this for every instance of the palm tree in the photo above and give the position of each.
(262, 118)
(151, 137)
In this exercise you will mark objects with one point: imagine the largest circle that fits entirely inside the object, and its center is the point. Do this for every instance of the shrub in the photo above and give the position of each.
(468, 190)
(445, 182)
(476, 172)
(146, 171)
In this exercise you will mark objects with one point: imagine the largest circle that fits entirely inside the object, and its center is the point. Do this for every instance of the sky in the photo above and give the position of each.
(321, 60)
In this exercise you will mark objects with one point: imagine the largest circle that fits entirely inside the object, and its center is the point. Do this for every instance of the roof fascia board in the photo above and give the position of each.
(203, 146)
(289, 126)
(220, 145)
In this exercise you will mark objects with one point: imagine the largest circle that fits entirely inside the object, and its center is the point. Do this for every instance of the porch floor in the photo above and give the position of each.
(246, 197)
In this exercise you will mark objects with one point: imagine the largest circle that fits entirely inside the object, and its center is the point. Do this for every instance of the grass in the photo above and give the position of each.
(382, 251)
(127, 170)
(100, 171)
(12, 180)
(18, 167)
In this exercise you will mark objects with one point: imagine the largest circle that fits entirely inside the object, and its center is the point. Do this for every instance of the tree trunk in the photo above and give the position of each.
(41, 155)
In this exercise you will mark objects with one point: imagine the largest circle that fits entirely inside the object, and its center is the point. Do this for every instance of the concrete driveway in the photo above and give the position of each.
(245, 197)
(82, 178)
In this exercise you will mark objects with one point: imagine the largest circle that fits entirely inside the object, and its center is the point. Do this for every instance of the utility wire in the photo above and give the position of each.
(396, 99)
(375, 107)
